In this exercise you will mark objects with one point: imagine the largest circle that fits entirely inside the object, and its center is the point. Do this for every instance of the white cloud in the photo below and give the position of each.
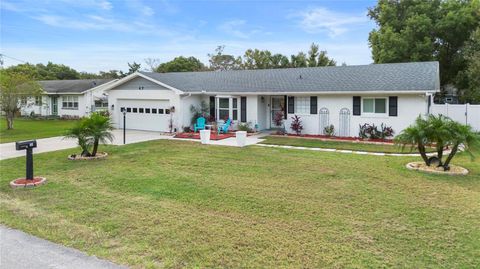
(138, 5)
(324, 20)
(240, 29)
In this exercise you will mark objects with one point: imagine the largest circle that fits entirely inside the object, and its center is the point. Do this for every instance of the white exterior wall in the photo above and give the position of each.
(151, 91)
(409, 107)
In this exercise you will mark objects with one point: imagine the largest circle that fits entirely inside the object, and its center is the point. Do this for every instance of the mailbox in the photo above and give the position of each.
(30, 144)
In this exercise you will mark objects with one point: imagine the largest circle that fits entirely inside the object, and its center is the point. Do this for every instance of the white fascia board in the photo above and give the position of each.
(315, 93)
(138, 74)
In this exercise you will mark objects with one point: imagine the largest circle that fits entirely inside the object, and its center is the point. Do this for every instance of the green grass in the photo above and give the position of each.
(25, 129)
(342, 145)
(179, 204)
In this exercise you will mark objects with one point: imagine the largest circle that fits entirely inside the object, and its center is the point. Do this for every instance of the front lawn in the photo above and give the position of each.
(180, 204)
(342, 145)
(25, 129)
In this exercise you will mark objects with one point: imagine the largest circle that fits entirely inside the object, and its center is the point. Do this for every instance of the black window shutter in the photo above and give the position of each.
(393, 106)
(291, 105)
(313, 105)
(243, 109)
(212, 106)
(285, 107)
(357, 105)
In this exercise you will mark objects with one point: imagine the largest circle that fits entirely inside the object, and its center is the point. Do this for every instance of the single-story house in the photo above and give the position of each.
(75, 98)
(344, 96)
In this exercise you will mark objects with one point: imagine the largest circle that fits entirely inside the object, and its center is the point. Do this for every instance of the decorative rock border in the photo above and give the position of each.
(100, 155)
(25, 183)
(455, 170)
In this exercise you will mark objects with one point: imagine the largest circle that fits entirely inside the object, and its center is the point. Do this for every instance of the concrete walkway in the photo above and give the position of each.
(23, 251)
(7, 150)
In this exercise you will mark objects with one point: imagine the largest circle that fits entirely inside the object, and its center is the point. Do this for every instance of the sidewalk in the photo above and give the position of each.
(23, 251)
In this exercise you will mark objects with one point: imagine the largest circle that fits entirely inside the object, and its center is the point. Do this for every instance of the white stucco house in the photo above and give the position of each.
(345, 96)
(75, 98)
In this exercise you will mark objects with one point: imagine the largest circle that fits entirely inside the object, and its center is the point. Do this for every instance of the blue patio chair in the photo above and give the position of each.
(200, 125)
(224, 127)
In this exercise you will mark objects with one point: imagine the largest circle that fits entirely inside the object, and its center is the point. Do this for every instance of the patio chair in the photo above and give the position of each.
(200, 125)
(224, 127)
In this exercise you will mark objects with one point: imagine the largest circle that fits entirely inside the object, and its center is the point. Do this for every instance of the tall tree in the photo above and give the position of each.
(299, 60)
(14, 87)
(469, 79)
(420, 30)
(132, 68)
(220, 61)
(323, 59)
(181, 64)
(312, 55)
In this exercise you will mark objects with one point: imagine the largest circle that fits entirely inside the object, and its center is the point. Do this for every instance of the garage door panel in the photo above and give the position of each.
(149, 115)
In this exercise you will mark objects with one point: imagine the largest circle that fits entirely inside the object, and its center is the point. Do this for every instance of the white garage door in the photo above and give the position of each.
(149, 115)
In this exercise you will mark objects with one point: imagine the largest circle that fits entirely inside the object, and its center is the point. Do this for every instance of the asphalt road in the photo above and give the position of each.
(19, 250)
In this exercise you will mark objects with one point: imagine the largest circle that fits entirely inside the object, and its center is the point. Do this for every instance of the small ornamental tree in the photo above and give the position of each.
(278, 118)
(296, 125)
(13, 87)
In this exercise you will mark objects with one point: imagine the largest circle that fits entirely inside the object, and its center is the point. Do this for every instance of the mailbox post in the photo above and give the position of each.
(28, 146)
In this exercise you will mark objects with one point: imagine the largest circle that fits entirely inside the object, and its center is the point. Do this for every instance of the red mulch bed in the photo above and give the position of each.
(26, 181)
(213, 135)
(343, 138)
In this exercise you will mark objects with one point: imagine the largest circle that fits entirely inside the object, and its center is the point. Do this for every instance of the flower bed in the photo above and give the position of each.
(25, 183)
(341, 138)
(99, 155)
(421, 166)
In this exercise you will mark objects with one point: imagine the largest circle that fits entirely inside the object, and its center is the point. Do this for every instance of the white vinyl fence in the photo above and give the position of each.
(466, 114)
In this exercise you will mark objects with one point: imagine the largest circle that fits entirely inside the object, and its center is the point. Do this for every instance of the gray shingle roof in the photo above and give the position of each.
(418, 76)
(71, 86)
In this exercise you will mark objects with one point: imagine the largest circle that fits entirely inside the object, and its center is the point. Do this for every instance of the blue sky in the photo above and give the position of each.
(91, 35)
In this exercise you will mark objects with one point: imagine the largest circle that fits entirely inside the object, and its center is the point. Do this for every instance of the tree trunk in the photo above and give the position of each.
(10, 116)
(421, 150)
(450, 157)
(95, 147)
(440, 155)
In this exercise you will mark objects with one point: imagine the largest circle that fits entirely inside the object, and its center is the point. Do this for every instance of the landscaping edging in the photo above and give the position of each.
(351, 151)
(99, 155)
(25, 183)
(455, 170)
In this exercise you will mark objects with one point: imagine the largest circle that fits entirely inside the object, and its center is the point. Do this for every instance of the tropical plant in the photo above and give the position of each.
(80, 132)
(416, 137)
(278, 118)
(372, 132)
(245, 127)
(296, 124)
(91, 131)
(329, 130)
(460, 134)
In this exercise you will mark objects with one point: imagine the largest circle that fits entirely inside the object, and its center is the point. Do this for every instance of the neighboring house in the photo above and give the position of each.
(74, 98)
(345, 96)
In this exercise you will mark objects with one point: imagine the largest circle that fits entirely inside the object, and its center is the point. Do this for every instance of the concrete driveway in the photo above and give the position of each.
(7, 150)
(23, 251)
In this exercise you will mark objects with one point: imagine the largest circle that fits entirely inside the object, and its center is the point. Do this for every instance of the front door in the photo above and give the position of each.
(54, 105)
(277, 108)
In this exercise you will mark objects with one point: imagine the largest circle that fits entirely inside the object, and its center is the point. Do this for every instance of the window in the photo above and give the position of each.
(140, 110)
(129, 109)
(134, 110)
(122, 109)
(223, 108)
(154, 111)
(375, 105)
(147, 110)
(160, 111)
(167, 111)
(101, 104)
(23, 100)
(234, 109)
(70, 102)
(302, 105)
(38, 100)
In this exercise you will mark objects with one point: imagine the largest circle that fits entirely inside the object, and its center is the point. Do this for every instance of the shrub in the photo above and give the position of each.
(278, 118)
(296, 125)
(372, 132)
(245, 127)
(329, 130)
(187, 129)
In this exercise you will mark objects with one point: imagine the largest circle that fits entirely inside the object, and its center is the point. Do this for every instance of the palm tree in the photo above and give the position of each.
(416, 136)
(99, 128)
(460, 134)
(437, 130)
(79, 132)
